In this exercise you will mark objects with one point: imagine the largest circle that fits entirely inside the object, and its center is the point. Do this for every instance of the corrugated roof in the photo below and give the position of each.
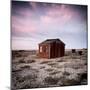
(51, 41)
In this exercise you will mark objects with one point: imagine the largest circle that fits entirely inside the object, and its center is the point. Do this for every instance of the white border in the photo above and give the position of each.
(5, 44)
(5, 62)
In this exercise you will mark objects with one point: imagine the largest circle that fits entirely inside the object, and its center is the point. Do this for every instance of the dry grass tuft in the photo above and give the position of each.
(21, 61)
(54, 72)
(60, 60)
(30, 61)
(51, 80)
(45, 62)
(69, 82)
(53, 64)
(66, 73)
(42, 67)
(49, 69)
(26, 66)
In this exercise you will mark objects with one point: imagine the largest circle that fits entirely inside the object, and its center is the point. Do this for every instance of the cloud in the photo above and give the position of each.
(63, 14)
(58, 14)
(36, 22)
(22, 25)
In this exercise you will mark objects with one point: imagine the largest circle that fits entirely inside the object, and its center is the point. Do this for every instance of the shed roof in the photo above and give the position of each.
(48, 41)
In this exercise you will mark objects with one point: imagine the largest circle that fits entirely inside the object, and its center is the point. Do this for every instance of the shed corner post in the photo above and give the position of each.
(49, 51)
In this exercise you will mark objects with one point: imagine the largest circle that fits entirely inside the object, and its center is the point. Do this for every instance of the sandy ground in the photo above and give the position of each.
(30, 71)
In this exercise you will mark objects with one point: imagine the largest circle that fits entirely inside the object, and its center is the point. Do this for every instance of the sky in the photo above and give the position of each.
(34, 22)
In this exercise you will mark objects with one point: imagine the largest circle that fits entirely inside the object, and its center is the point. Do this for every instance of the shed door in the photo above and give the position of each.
(52, 51)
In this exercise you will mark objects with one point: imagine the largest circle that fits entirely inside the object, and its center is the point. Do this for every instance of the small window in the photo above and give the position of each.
(45, 49)
(40, 48)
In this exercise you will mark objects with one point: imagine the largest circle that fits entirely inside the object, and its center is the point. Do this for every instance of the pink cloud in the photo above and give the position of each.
(23, 25)
(46, 19)
(27, 13)
(59, 14)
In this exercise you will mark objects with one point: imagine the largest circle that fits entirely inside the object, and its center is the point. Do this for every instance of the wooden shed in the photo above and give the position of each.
(51, 48)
